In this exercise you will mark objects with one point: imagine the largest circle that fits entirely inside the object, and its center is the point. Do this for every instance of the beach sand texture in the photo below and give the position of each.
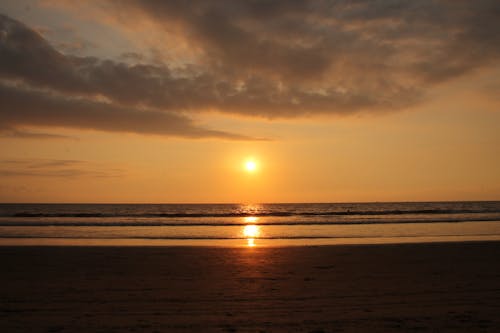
(445, 287)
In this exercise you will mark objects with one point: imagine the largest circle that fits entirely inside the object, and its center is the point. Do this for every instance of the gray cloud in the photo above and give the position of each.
(28, 57)
(55, 168)
(379, 54)
(42, 87)
(254, 58)
(27, 107)
(10, 132)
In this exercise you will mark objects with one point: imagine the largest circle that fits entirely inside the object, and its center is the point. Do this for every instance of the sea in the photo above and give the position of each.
(248, 225)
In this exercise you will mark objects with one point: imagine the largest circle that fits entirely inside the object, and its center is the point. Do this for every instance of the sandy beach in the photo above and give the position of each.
(363, 288)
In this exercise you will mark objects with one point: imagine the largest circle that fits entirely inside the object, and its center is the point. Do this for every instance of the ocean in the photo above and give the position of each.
(248, 224)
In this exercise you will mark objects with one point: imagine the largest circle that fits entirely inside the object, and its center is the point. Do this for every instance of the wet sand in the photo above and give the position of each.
(363, 288)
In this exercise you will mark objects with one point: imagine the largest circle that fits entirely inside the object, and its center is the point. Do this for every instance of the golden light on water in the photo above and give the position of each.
(251, 231)
(250, 219)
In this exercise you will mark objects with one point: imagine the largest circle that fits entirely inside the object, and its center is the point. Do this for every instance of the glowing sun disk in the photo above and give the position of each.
(250, 165)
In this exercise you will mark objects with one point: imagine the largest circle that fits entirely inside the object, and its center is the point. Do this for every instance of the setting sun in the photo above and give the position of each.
(250, 166)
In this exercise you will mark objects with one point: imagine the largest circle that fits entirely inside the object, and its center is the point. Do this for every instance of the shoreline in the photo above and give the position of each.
(242, 242)
(377, 288)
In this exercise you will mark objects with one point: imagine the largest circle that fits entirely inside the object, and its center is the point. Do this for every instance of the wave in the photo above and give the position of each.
(236, 224)
(241, 238)
(256, 214)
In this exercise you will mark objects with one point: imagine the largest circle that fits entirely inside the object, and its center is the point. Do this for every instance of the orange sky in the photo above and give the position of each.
(156, 102)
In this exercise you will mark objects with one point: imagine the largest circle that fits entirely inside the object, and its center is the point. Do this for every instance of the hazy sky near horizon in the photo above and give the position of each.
(164, 101)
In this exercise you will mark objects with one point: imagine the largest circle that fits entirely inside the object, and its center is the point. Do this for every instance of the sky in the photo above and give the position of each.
(164, 101)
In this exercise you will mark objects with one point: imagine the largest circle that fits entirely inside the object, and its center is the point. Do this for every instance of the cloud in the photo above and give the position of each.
(27, 57)
(55, 168)
(26, 107)
(9, 132)
(379, 54)
(42, 87)
(254, 58)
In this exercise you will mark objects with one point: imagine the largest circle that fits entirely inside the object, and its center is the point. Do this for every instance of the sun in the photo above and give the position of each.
(251, 165)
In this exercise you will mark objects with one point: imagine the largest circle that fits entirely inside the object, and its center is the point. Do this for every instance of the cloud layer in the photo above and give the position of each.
(253, 58)
(290, 58)
(55, 168)
(40, 86)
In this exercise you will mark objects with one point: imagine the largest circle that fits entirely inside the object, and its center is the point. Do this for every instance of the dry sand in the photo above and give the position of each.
(378, 288)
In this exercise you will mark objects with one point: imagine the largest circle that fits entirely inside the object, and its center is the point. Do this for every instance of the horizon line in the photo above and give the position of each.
(238, 203)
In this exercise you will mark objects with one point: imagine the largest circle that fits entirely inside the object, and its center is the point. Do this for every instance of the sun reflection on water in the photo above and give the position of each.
(250, 232)
(250, 209)
(250, 219)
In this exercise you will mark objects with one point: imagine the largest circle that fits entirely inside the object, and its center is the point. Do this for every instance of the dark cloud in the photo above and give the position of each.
(133, 56)
(42, 87)
(10, 132)
(55, 168)
(28, 107)
(256, 58)
(378, 53)
(28, 57)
